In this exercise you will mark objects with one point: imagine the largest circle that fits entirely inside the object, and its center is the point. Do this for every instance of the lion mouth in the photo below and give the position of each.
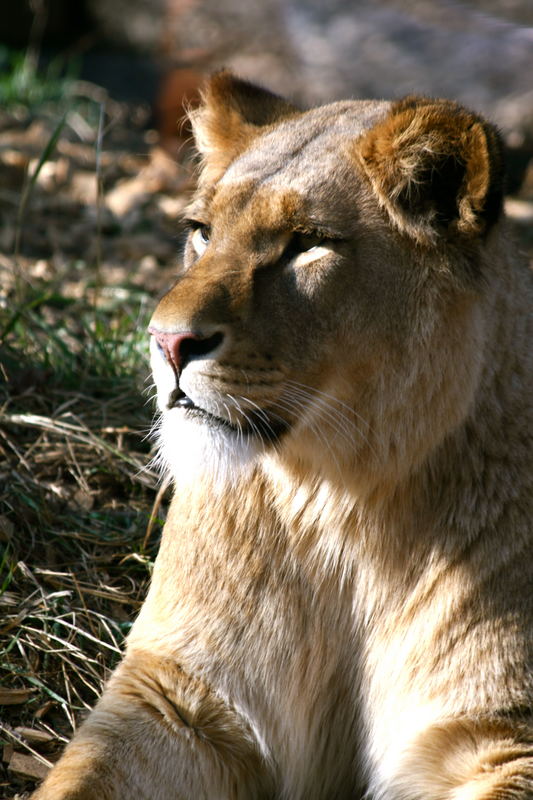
(254, 424)
(178, 399)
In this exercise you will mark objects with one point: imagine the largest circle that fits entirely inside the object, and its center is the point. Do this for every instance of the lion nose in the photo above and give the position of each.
(181, 348)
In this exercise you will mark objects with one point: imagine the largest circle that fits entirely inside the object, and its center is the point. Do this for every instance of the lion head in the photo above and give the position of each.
(331, 308)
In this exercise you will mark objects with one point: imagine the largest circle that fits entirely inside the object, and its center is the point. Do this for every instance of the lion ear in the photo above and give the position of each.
(435, 166)
(232, 113)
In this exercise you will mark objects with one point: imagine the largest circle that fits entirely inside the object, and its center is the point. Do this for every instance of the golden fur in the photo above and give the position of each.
(342, 605)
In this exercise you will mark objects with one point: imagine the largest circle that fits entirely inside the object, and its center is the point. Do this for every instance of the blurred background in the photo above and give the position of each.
(96, 167)
(157, 51)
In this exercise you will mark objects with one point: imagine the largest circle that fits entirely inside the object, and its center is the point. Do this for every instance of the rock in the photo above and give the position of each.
(27, 766)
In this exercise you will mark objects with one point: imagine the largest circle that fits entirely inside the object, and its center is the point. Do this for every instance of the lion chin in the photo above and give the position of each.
(196, 449)
(341, 606)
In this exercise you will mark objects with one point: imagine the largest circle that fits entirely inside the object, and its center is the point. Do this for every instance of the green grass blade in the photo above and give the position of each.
(30, 182)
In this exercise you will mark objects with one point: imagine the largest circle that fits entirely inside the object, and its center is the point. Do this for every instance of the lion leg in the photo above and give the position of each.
(157, 733)
(469, 760)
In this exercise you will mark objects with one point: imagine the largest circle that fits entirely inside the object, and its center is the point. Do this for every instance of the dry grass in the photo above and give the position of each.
(88, 228)
(75, 497)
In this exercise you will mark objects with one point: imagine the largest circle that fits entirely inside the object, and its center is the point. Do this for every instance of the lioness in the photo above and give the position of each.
(342, 606)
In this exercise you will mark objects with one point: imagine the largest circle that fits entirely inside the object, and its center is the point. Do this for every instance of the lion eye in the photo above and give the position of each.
(304, 242)
(200, 239)
(303, 248)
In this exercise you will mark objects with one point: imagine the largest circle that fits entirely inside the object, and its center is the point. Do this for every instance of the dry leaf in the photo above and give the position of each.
(14, 697)
(33, 735)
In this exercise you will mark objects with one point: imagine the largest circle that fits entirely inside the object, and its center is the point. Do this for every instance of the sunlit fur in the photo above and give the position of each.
(342, 605)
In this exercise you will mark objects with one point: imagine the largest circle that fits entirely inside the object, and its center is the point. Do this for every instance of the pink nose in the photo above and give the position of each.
(180, 348)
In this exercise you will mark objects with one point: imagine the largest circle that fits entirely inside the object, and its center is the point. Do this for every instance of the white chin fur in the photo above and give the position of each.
(192, 450)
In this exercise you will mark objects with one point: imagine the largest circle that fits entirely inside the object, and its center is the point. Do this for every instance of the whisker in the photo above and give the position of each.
(270, 432)
(328, 400)
(311, 391)
(316, 430)
(240, 430)
(248, 421)
(336, 419)
(347, 435)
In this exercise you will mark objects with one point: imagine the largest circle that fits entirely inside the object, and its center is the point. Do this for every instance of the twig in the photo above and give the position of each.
(99, 195)
(20, 740)
(78, 433)
(154, 512)
(28, 189)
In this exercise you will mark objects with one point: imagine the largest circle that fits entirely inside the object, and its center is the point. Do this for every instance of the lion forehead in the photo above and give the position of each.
(286, 153)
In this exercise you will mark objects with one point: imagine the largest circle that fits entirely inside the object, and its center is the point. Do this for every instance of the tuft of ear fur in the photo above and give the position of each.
(232, 113)
(435, 167)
